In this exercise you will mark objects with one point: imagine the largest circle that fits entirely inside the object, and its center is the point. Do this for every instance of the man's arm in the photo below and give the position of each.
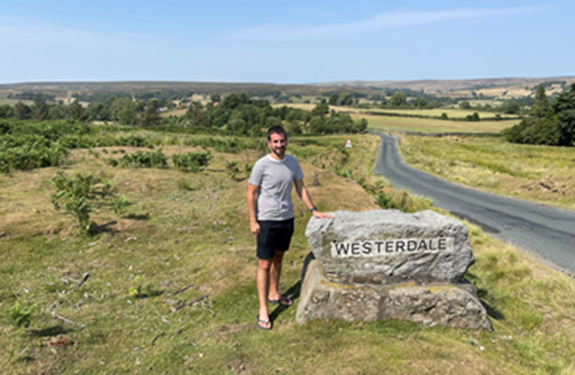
(306, 199)
(252, 192)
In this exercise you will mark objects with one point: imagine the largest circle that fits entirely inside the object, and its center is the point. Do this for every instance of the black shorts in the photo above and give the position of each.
(274, 235)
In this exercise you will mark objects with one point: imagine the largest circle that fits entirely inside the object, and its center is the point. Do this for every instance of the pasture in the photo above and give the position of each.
(437, 112)
(171, 279)
(13, 102)
(392, 123)
(387, 124)
(542, 174)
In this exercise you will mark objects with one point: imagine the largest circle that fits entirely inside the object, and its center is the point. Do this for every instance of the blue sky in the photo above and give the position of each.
(284, 42)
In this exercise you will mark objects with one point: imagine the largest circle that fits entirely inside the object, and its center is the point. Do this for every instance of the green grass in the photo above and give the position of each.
(542, 174)
(392, 123)
(14, 101)
(386, 124)
(194, 234)
(436, 112)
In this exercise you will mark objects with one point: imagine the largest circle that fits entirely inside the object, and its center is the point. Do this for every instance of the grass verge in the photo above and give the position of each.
(543, 174)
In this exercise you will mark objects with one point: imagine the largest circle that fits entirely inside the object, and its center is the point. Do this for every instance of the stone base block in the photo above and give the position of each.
(452, 305)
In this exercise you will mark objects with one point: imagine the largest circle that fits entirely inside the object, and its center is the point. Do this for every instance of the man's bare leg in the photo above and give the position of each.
(275, 272)
(263, 285)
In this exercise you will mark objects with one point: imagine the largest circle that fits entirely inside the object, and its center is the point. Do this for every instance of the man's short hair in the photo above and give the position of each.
(276, 129)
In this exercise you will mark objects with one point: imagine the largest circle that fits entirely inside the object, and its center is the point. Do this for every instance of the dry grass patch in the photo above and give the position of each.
(192, 261)
(542, 174)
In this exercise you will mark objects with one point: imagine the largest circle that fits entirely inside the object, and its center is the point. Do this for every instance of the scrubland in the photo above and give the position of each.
(171, 284)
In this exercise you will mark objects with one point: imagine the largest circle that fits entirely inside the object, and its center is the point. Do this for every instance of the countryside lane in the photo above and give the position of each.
(538, 229)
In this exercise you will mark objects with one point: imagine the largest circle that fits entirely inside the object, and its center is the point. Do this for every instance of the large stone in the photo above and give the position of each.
(389, 246)
(452, 305)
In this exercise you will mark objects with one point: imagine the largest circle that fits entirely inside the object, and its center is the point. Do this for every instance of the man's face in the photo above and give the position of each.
(278, 144)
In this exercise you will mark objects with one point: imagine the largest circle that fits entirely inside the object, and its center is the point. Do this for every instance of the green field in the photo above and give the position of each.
(543, 174)
(436, 112)
(171, 281)
(392, 123)
(14, 101)
(386, 124)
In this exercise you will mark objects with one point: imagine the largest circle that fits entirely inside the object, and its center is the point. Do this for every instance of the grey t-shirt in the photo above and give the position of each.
(275, 179)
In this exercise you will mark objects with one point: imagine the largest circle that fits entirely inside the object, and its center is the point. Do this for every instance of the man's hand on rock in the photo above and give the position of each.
(321, 215)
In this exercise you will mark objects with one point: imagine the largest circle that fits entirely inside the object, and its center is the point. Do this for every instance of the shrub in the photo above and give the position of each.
(139, 159)
(192, 161)
(232, 169)
(134, 141)
(248, 169)
(19, 316)
(120, 204)
(29, 151)
(75, 195)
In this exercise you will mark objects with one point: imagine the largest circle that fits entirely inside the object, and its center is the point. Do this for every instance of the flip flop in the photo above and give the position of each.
(264, 322)
(282, 301)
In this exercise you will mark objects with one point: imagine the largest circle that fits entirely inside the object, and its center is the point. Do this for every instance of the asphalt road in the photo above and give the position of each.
(537, 229)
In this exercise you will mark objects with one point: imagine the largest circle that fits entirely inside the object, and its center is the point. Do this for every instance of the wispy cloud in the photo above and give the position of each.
(24, 32)
(391, 20)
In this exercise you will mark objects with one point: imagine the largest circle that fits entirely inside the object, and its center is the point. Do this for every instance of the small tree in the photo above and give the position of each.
(197, 115)
(22, 111)
(398, 99)
(334, 98)
(6, 111)
(77, 112)
(464, 105)
(320, 109)
(419, 102)
(541, 105)
(150, 116)
(75, 195)
(540, 127)
(128, 115)
(345, 99)
(40, 108)
(564, 106)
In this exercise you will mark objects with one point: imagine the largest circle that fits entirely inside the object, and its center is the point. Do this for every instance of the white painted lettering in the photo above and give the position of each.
(391, 247)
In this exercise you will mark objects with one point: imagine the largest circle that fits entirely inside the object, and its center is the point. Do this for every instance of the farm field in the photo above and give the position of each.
(14, 101)
(386, 123)
(390, 123)
(436, 112)
(542, 174)
(171, 280)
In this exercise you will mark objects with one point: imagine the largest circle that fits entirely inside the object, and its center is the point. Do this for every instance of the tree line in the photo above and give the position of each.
(235, 114)
(162, 96)
(239, 114)
(548, 123)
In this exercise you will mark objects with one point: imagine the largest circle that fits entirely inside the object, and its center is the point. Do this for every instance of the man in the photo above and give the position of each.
(271, 217)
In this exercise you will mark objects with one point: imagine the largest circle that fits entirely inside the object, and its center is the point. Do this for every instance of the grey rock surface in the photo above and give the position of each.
(389, 246)
(452, 305)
